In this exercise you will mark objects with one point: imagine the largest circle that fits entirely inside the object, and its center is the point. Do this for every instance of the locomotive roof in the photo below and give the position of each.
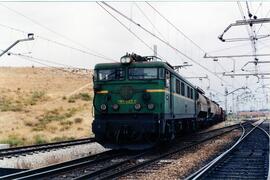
(144, 64)
(133, 64)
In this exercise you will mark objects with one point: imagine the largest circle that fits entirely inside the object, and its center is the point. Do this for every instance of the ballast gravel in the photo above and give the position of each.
(221, 125)
(42, 159)
(187, 162)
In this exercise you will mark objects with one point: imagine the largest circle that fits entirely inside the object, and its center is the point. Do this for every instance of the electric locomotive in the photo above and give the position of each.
(141, 101)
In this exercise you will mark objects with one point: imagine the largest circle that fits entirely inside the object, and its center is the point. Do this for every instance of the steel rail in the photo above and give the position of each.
(220, 129)
(97, 173)
(207, 167)
(40, 147)
(268, 175)
(127, 170)
(264, 131)
(210, 163)
(60, 167)
(213, 130)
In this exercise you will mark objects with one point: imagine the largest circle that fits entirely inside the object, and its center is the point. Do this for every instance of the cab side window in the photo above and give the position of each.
(182, 89)
(188, 91)
(177, 86)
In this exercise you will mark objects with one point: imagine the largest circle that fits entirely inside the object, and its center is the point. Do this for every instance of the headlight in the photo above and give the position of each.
(103, 107)
(125, 59)
(137, 106)
(150, 106)
(115, 107)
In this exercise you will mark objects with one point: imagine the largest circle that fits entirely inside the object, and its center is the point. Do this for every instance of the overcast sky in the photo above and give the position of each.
(70, 32)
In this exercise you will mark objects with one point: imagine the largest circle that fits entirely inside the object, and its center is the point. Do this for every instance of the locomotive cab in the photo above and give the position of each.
(128, 101)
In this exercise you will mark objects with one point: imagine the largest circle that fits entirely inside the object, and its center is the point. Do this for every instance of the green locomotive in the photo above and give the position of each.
(141, 101)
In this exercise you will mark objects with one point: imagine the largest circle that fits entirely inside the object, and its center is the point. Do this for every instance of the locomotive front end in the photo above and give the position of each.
(128, 102)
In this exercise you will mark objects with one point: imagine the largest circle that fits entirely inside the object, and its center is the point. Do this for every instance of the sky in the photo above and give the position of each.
(82, 34)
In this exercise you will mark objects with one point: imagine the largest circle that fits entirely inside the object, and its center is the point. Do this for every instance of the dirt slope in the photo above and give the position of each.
(44, 104)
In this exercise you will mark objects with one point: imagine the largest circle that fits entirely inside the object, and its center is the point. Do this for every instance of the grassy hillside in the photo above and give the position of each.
(39, 105)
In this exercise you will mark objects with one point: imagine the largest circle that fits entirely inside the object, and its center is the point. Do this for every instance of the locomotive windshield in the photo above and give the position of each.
(110, 74)
(143, 73)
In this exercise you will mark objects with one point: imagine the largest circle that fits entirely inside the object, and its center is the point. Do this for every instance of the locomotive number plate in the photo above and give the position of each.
(131, 101)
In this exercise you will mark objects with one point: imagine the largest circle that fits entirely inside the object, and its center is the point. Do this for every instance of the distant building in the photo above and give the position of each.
(254, 113)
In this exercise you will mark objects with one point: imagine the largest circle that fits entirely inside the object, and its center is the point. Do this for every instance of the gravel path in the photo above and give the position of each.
(52, 157)
(183, 164)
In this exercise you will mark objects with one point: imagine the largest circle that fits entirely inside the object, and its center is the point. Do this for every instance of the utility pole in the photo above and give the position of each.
(237, 108)
(232, 92)
(30, 37)
(226, 103)
(233, 105)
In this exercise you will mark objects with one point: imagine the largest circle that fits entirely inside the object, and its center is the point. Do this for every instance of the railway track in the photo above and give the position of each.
(154, 165)
(113, 164)
(18, 151)
(247, 159)
(227, 127)
(72, 169)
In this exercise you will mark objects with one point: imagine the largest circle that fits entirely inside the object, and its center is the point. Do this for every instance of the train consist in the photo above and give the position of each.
(141, 101)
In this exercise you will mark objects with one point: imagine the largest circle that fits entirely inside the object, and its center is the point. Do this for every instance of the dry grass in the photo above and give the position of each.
(7, 105)
(81, 96)
(34, 104)
(13, 140)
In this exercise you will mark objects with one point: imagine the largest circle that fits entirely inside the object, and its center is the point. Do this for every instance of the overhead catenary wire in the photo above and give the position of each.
(97, 54)
(140, 9)
(251, 32)
(248, 30)
(181, 32)
(76, 49)
(140, 39)
(221, 66)
(47, 61)
(43, 62)
(148, 19)
(166, 43)
(254, 35)
(134, 34)
(163, 41)
(253, 42)
(184, 33)
(176, 28)
(260, 5)
(228, 48)
(128, 29)
(34, 21)
(59, 43)
(262, 24)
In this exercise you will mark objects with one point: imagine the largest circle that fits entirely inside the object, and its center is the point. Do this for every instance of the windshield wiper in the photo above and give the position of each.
(116, 74)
